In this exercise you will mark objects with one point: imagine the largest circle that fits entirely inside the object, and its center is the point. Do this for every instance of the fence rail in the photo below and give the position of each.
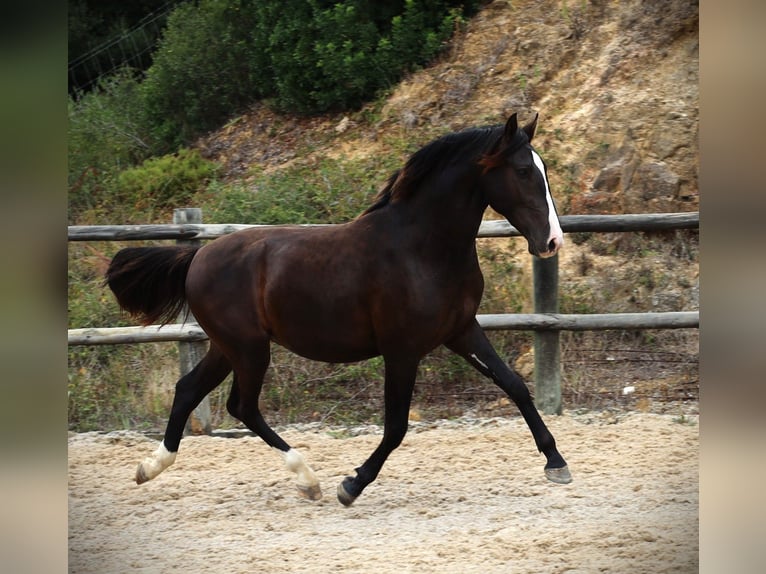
(128, 335)
(546, 322)
(493, 228)
(490, 322)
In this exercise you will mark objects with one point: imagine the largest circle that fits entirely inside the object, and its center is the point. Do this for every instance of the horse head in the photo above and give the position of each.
(515, 184)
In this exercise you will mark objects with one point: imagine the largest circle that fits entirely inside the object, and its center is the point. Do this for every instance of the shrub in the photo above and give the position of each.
(327, 61)
(106, 133)
(338, 57)
(166, 181)
(324, 191)
(218, 56)
(207, 67)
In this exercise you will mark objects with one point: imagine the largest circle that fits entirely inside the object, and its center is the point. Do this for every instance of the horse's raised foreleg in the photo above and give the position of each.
(190, 390)
(243, 404)
(474, 346)
(400, 380)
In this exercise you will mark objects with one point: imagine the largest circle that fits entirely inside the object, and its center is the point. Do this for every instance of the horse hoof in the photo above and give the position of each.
(310, 492)
(559, 475)
(344, 497)
(141, 475)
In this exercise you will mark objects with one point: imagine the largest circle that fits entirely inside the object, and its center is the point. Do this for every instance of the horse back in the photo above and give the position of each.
(337, 294)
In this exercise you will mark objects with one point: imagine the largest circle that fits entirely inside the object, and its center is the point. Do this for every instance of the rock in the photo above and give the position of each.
(654, 179)
(609, 179)
(409, 119)
(667, 301)
(666, 140)
(343, 125)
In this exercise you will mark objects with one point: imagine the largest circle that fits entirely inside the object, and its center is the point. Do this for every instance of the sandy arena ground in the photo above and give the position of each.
(457, 496)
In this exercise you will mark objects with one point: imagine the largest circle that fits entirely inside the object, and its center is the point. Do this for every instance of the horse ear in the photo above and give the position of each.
(510, 128)
(529, 129)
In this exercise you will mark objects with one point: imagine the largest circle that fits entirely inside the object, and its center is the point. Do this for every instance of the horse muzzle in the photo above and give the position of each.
(554, 243)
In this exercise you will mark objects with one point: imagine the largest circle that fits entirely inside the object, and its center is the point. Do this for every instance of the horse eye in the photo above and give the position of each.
(523, 171)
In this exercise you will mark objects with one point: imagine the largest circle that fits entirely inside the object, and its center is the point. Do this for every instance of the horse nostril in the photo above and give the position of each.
(552, 245)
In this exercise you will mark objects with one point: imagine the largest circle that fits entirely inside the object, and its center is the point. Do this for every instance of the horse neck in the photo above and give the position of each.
(445, 211)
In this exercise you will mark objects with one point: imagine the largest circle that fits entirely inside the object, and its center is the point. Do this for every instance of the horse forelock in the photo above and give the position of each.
(497, 157)
(519, 139)
(465, 146)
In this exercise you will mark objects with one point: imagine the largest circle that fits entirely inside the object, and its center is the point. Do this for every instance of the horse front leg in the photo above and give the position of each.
(474, 346)
(399, 383)
(190, 390)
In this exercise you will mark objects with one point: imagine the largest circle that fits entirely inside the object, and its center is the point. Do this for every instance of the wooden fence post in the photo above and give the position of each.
(545, 274)
(191, 352)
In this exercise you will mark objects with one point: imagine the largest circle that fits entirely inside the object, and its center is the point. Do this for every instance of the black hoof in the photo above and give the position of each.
(344, 496)
(559, 475)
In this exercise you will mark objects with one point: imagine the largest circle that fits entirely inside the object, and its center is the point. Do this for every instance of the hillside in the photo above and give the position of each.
(616, 87)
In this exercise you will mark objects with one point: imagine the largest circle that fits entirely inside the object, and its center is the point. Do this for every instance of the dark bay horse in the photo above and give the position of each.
(398, 281)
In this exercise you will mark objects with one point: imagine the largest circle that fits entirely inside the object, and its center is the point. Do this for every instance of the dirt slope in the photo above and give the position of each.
(615, 83)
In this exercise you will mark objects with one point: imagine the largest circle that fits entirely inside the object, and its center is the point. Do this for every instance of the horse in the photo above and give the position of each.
(397, 281)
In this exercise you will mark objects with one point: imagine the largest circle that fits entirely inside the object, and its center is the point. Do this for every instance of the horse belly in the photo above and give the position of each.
(325, 343)
(333, 328)
(329, 351)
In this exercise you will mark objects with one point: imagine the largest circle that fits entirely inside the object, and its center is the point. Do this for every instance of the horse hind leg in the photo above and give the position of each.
(190, 390)
(399, 384)
(306, 479)
(243, 404)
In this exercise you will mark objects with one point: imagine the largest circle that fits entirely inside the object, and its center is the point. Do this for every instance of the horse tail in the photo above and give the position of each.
(150, 282)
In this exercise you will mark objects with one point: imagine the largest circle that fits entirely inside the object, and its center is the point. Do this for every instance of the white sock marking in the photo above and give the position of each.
(295, 463)
(158, 461)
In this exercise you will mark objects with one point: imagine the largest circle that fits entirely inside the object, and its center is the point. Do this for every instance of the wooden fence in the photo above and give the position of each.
(546, 322)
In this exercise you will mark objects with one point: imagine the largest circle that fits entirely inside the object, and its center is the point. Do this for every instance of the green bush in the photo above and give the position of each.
(218, 56)
(207, 67)
(324, 191)
(166, 181)
(106, 134)
(323, 60)
(343, 56)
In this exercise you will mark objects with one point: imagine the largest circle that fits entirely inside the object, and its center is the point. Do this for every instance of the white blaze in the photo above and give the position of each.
(553, 219)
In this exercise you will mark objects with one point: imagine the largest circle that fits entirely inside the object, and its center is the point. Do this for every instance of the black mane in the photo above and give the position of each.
(466, 145)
